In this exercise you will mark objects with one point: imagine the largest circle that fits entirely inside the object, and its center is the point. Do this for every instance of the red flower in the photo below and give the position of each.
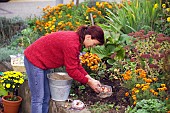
(133, 59)
(153, 66)
(145, 56)
(157, 46)
(131, 34)
(160, 35)
(113, 55)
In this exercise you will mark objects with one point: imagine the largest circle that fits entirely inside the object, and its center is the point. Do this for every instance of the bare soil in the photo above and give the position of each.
(89, 97)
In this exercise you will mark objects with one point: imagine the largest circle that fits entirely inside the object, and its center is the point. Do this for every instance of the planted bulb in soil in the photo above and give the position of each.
(106, 91)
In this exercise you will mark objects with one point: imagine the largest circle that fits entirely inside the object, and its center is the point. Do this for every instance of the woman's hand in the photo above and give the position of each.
(94, 84)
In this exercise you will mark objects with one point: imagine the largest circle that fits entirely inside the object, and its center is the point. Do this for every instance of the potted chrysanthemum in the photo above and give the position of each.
(11, 80)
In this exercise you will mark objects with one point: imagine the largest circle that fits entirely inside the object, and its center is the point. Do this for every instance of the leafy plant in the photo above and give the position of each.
(148, 106)
(162, 24)
(100, 108)
(9, 27)
(113, 49)
(3, 91)
(5, 53)
(24, 38)
(133, 16)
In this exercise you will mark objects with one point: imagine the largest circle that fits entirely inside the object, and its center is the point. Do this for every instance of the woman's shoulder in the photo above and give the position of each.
(65, 32)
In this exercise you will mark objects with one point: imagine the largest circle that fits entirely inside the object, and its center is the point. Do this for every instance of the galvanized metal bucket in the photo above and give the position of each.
(59, 86)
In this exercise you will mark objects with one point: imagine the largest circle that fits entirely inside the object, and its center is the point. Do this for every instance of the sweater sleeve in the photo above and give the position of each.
(72, 64)
(82, 70)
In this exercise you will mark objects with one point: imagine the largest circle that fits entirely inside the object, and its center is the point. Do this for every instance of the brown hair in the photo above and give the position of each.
(95, 31)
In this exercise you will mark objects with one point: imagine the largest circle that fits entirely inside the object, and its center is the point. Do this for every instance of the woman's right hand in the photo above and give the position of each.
(94, 84)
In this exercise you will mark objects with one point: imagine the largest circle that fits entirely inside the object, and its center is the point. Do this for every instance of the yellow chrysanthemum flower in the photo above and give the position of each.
(13, 86)
(8, 85)
(10, 80)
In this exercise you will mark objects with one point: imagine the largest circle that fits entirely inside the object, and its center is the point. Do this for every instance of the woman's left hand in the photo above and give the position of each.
(94, 84)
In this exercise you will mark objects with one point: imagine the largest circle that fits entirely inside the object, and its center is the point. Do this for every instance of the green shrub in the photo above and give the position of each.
(101, 108)
(24, 38)
(148, 106)
(162, 25)
(9, 27)
(5, 52)
(135, 15)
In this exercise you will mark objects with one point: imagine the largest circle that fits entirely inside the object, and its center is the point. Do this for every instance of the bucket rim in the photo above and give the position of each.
(60, 73)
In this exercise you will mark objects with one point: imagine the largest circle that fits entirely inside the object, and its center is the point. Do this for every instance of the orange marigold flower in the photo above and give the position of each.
(155, 79)
(94, 16)
(120, 6)
(138, 70)
(143, 74)
(160, 89)
(127, 94)
(128, 72)
(138, 85)
(99, 12)
(127, 77)
(163, 85)
(134, 89)
(165, 88)
(109, 6)
(134, 97)
(152, 91)
(134, 103)
(148, 80)
(143, 89)
(155, 93)
(142, 85)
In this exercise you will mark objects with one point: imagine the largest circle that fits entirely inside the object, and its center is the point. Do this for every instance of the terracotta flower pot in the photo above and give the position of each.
(11, 106)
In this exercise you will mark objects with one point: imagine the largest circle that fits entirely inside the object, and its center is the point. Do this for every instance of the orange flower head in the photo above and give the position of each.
(127, 94)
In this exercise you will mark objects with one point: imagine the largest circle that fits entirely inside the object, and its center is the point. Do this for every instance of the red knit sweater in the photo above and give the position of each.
(58, 49)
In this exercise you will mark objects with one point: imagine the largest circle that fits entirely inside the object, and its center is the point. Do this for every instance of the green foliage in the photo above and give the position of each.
(5, 52)
(133, 16)
(113, 49)
(10, 27)
(167, 102)
(101, 108)
(162, 25)
(148, 106)
(60, 69)
(111, 52)
(2, 91)
(24, 38)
